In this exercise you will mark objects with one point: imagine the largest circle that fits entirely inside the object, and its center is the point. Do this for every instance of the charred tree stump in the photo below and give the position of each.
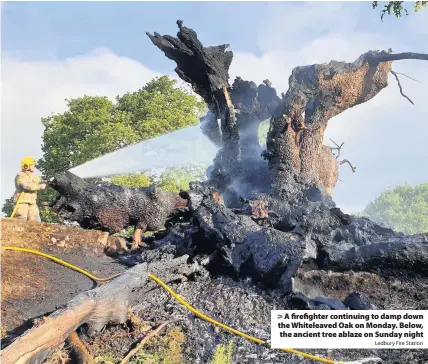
(295, 152)
(243, 245)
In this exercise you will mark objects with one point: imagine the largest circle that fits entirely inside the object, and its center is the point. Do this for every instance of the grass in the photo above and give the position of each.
(107, 358)
(162, 350)
(223, 354)
(3, 332)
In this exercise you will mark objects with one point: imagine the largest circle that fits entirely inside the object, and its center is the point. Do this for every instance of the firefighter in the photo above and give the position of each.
(27, 185)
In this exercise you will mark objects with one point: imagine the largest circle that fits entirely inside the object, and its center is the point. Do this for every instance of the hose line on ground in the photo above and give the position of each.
(178, 298)
(62, 262)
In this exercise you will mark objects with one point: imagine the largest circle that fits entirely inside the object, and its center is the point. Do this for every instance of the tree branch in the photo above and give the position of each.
(144, 340)
(403, 74)
(401, 89)
(79, 349)
(387, 57)
(338, 147)
(350, 164)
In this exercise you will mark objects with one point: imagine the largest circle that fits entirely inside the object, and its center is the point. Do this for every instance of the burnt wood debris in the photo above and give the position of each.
(265, 216)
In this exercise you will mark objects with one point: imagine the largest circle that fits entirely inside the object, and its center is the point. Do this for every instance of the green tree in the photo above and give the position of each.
(403, 208)
(176, 179)
(397, 8)
(94, 126)
(160, 107)
(91, 127)
(7, 208)
(133, 180)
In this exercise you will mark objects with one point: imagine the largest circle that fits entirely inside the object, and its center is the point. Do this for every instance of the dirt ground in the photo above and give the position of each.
(34, 285)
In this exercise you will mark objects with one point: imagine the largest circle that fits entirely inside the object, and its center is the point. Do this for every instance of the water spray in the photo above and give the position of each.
(184, 146)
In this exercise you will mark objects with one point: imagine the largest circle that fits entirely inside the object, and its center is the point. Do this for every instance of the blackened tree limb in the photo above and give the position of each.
(410, 78)
(401, 89)
(398, 252)
(207, 70)
(238, 109)
(387, 57)
(338, 148)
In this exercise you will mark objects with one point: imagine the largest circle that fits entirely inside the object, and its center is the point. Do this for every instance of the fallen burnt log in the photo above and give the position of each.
(271, 249)
(399, 252)
(108, 303)
(113, 208)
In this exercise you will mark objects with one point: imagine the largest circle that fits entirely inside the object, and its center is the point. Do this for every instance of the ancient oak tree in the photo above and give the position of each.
(295, 154)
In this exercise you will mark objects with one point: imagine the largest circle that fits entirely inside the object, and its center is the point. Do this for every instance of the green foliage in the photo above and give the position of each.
(91, 127)
(223, 355)
(397, 8)
(403, 208)
(46, 214)
(8, 205)
(159, 108)
(176, 179)
(133, 180)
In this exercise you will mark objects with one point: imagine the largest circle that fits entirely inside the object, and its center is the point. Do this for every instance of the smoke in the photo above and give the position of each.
(184, 146)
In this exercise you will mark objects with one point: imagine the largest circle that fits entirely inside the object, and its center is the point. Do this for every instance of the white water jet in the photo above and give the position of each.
(184, 146)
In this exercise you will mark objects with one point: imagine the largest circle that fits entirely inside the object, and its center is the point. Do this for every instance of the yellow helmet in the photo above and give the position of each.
(26, 162)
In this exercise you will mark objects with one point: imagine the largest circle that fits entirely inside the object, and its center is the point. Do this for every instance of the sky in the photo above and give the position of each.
(51, 51)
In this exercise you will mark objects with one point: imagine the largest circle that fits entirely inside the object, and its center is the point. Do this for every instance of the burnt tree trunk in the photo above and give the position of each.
(235, 111)
(112, 208)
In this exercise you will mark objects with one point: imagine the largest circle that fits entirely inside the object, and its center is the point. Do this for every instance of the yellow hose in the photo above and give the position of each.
(62, 262)
(178, 298)
(16, 205)
(236, 332)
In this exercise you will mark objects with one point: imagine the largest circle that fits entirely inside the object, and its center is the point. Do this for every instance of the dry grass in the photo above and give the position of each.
(223, 354)
(167, 349)
(139, 326)
(59, 356)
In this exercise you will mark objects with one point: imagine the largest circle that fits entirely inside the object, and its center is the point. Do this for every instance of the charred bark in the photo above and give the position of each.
(269, 246)
(112, 208)
(235, 111)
